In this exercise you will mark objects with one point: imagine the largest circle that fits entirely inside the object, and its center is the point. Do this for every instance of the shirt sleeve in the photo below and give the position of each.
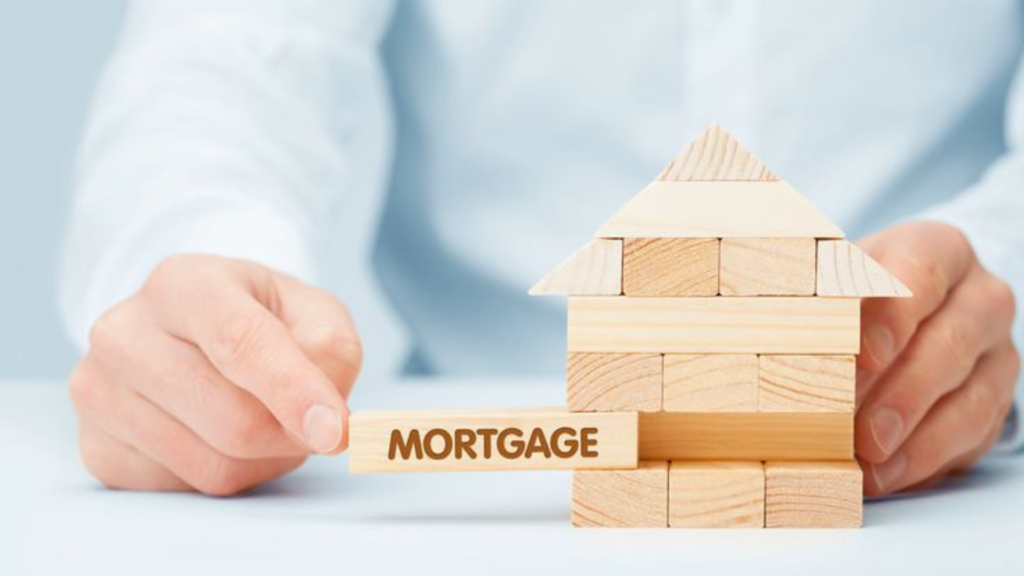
(991, 215)
(231, 127)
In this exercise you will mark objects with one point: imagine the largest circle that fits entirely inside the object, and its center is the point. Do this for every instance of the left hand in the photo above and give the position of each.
(937, 372)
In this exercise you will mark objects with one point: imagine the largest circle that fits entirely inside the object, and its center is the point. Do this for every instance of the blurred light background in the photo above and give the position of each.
(51, 53)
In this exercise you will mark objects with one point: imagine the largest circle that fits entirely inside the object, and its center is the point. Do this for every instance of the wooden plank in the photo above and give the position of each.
(594, 269)
(670, 267)
(716, 494)
(768, 266)
(797, 383)
(845, 270)
(718, 210)
(710, 383)
(813, 495)
(491, 439)
(716, 156)
(746, 436)
(770, 325)
(605, 382)
(621, 498)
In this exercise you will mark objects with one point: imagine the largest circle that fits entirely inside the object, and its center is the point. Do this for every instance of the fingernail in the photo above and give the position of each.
(323, 428)
(891, 472)
(886, 429)
(880, 344)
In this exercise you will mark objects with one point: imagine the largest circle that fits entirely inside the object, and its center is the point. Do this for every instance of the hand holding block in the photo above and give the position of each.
(491, 439)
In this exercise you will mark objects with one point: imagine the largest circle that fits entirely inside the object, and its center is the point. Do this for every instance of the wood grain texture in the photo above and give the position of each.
(746, 436)
(621, 498)
(594, 269)
(797, 383)
(718, 210)
(372, 437)
(716, 494)
(697, 325)
(606, 382)
(670, 267)
(768, 266)
(710, 383)
(716, 155)
(813, 495)
(845, 270)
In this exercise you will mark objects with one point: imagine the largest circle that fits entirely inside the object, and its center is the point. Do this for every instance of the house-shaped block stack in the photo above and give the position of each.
(721, 306)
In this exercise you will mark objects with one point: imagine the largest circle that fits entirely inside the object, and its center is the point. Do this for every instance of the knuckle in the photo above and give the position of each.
(107, 336)
(84, 388)
(170, 272)
(924, 274)
(1003, 297)
(94, 455)
(958, 241)
(902, 322)
(956, 345)
(983, 403)
(221, 477)
(240, 337)
(332, 342)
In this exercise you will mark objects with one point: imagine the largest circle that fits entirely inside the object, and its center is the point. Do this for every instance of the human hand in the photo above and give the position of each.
(217, 376)
(936, 373)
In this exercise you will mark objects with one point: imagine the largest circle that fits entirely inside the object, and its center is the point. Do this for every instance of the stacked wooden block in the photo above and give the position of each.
(724, 309)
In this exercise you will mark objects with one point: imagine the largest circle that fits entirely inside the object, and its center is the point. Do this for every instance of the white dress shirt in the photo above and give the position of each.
(427, 161)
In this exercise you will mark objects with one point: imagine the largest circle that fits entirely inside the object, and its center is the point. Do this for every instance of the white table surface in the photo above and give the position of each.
(54, 519)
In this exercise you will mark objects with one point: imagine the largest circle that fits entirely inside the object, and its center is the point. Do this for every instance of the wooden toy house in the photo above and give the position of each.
(721, 306)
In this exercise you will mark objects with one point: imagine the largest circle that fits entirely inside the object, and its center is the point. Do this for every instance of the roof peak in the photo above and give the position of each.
(716, 156)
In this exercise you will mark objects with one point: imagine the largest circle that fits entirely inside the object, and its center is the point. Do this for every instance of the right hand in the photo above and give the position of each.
(217, 376)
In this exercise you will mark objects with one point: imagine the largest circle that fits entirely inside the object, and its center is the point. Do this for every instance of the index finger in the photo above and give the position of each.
(254, 350)
(931, 259)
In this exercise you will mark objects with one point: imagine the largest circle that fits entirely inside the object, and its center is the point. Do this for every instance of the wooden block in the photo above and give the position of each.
(746, 436)
(607, 382)
(670, 267)
(710, 383)
(845, 270)
(716, 156)
(491, 439)
(795, 383)
(715, 325)
(718, 210)
(716, 494)
(594, 269)
(768, 266)
(813, 495)
(621, 498)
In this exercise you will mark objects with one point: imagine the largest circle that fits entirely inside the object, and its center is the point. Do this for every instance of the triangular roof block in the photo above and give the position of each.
(718, 210)
(715, 156)
(717, 189)
(593, 270)
(845, 270)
